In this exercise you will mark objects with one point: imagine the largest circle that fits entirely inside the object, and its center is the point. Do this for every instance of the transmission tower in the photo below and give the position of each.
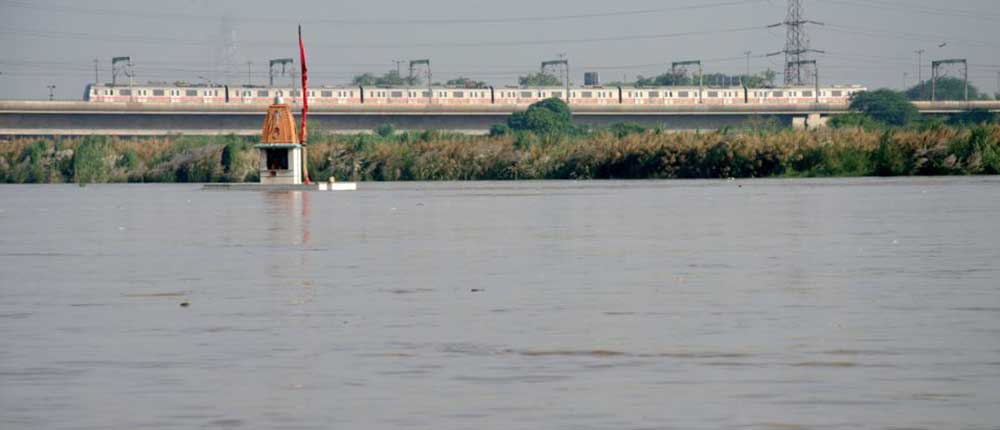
(227, 53)
(796, 43)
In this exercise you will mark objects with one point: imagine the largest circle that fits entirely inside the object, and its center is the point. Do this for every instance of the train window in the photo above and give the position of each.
(396, 94)
(588, 94)
(296, 93)
(191, 93)
(779, 93)
(807, 94)
(326, 93)
(654, 94)
(261, 93)
(557, 94)
(838, 93)
(525, 94)
(426, 94)
(458, 94)
(124, 92)
(629, 94)
(158, 93)
(683, 94)
(713, 93)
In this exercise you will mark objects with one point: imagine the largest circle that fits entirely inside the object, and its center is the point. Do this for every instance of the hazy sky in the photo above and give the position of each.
(869, 42)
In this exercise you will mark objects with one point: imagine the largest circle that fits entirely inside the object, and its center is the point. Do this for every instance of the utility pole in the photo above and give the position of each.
(920, 67)
(399, 71)
(283, 62)
(430, 77)
(935, 65)
(561, 62)
(701, 74)
(51, 91)
(128, 69)
(97, 76)
(249, 74)
(747, 53)
(796, 42)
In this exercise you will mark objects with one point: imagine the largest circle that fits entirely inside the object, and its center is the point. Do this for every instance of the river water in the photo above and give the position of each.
(763, 304)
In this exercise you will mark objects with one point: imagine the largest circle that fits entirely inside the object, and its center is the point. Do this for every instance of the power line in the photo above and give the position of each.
(925, 10)
(510, 43)
(356, 21)
(921, 37)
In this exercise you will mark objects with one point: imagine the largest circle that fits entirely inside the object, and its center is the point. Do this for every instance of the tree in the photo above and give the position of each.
(948, 88)
(974, 117)
(545, 117)
(539, 80)
(763, 79)
(464, 82)
(885, 106)
(665, 80)
(389, 79)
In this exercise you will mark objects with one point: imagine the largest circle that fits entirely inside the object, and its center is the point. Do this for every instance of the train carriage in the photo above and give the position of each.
(509, 96)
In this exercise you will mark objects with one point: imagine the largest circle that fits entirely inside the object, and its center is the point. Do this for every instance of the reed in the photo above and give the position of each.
(619, 153)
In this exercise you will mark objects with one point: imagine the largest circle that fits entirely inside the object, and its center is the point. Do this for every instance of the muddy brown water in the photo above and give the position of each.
(763, 304)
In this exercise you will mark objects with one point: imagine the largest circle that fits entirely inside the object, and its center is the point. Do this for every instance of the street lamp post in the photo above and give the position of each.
(51, 91)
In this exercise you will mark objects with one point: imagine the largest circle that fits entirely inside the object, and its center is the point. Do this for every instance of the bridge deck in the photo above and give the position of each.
(81, 118)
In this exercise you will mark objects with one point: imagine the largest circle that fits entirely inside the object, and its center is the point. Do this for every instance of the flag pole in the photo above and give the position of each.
(305, 109)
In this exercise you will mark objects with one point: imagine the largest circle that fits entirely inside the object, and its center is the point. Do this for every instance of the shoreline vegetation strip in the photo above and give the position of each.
(622, 152)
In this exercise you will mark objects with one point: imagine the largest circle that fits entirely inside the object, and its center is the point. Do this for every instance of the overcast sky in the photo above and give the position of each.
(868, 42)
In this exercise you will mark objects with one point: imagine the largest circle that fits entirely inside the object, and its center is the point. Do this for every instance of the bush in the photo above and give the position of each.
(622, 129)
(545, 117)
(889, 159)
(386, 130)
(90, 161)
(231, 154)
(885, 106)
(497, 130)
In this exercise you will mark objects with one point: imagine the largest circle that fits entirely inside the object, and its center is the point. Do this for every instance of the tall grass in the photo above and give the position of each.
(623, 153)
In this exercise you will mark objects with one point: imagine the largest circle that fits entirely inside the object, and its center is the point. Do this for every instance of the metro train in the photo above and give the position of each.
(590, 96)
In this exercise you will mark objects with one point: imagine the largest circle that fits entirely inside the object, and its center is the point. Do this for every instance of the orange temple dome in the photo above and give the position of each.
(279, 125)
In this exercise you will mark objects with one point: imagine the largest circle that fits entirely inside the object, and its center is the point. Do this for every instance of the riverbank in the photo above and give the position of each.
(429, 156)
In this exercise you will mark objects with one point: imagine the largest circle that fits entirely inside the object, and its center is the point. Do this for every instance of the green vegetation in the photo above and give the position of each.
(874, 110)
(763, 79)
(624, 151)
(391, 78)
(539, 80)
(549, 116)
(881, 138)
(948, 89)
(885, 106)
(464, 82)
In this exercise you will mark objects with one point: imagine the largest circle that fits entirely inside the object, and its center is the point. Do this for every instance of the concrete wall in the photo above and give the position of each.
(250, 123)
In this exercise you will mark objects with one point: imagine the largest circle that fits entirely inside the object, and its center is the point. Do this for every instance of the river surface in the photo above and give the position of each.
(763, 304)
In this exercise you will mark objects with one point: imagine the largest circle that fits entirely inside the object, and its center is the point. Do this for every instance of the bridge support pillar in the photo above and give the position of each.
(816, 120)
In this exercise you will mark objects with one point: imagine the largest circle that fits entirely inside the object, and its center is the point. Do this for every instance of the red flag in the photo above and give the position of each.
(305, 108)
(305, 87)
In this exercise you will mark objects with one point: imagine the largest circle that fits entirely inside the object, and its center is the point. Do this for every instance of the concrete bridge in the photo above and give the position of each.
(38, 118)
